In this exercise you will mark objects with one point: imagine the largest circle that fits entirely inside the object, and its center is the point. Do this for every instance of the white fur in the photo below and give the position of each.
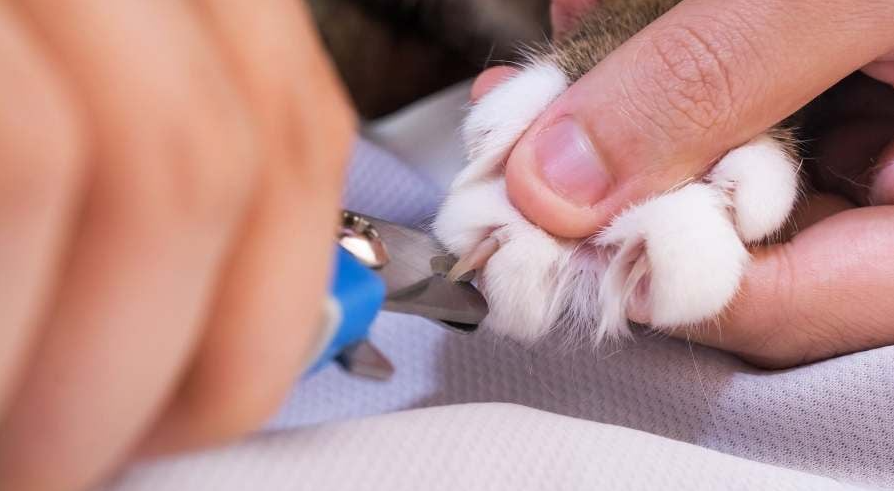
(521, 275)
(763, 181)
(678, 257)
(500, 118)
(520, 280)
(468, 216)
(694, 258)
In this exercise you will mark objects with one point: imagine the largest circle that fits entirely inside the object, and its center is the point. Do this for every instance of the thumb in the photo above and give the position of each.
(707, 76)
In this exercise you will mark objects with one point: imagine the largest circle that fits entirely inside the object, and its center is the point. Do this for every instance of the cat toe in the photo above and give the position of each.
(761, 178)
(521, 281)
(500, 118)
(470, 214)
(677, 258)
(519, 277)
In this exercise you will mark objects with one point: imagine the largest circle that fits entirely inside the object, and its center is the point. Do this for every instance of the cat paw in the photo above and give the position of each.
(674, 260)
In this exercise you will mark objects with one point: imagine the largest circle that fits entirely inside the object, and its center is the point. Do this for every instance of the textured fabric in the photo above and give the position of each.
(399, 194)
(425, 136)
(471, 447)
(834, 418)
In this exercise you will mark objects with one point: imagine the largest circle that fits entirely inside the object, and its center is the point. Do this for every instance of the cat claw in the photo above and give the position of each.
(473, 260)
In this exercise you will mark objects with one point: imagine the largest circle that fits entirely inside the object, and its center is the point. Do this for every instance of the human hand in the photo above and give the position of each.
(707, 77)
(170, 174)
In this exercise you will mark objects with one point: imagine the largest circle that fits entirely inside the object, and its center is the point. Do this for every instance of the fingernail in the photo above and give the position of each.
(570, 165)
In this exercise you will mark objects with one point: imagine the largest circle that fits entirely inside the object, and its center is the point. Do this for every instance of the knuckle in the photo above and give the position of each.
(771, 306)
(682, 77)
(204, 166)
(783, 290)
(795, 334)
(321, 142)
(209, 178)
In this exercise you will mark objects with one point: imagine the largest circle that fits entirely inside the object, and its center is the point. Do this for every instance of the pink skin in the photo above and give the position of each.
(670, 108)
(883, 186)
(167, 220)
(489, 79)
(882, 192)
(882, 69)
(829, 231)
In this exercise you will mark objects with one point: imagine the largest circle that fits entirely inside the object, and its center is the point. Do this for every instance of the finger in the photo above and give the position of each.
(882, 69)
(172, 174)
(849, 130)
(813, 210)
(825, 293)
(882, 189)
(267, 312)
(850, 160)
(41, 165)
(489, 79)
(706, 77)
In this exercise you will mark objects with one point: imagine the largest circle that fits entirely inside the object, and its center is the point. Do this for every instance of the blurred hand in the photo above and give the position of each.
(170, 175)
(706, 77)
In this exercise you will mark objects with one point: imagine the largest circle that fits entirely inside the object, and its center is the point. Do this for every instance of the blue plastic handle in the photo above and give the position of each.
(359, 294)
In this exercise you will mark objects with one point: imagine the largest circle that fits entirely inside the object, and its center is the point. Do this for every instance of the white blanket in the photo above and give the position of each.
(469, 447)
(834, 418)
